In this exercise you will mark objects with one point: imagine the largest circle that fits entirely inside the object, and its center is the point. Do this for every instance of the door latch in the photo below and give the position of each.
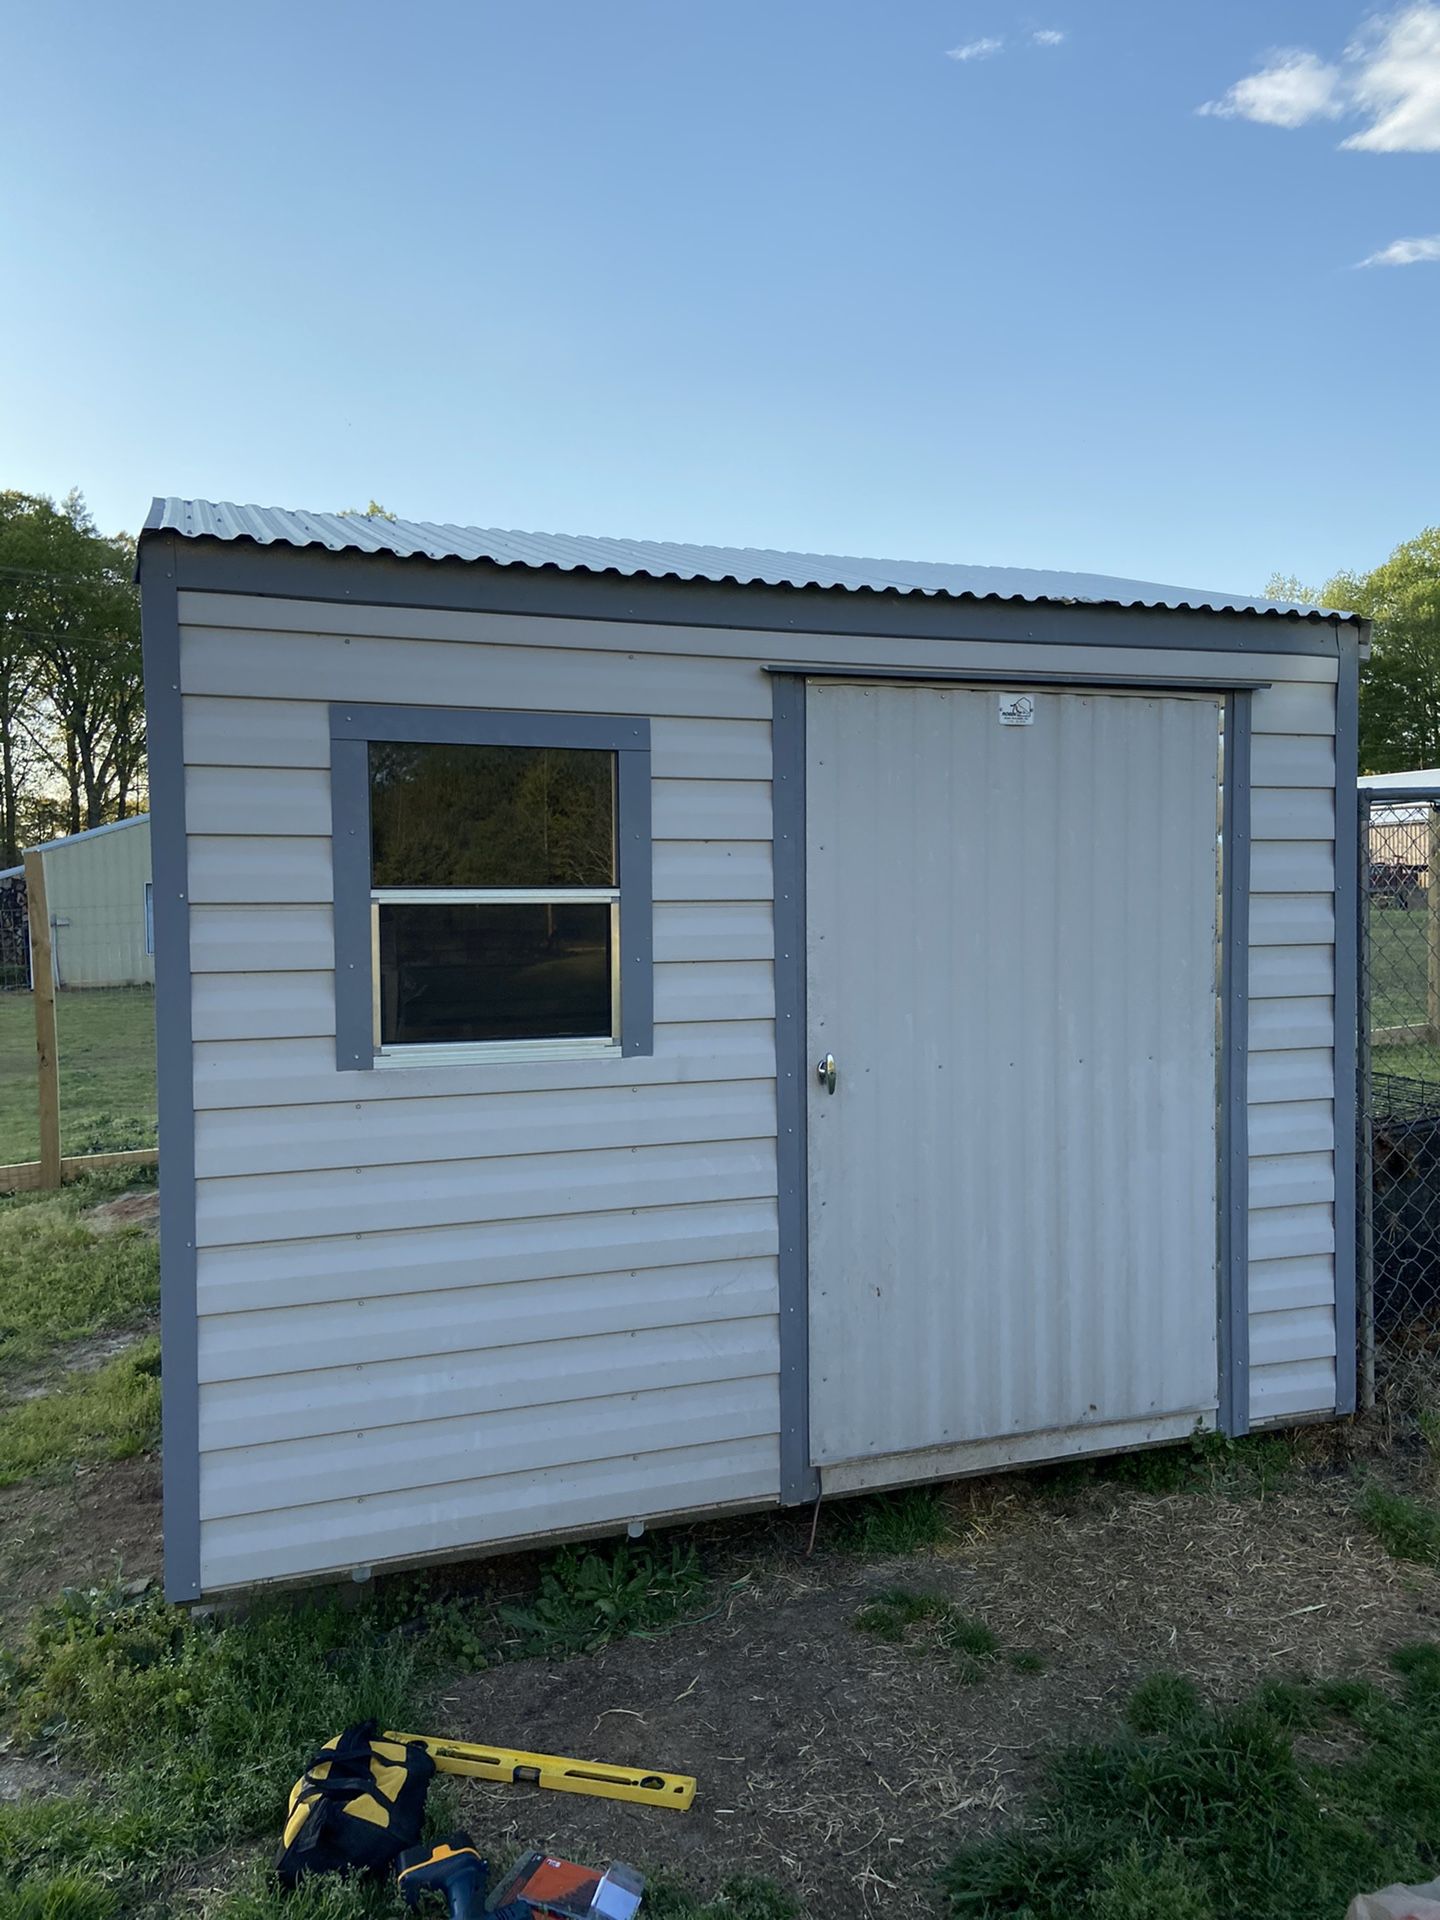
(825, 1072)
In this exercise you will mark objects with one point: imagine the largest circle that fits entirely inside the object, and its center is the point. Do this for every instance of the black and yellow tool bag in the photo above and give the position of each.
(357, 1805)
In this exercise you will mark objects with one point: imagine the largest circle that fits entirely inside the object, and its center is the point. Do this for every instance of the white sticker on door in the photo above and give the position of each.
(1017, 710)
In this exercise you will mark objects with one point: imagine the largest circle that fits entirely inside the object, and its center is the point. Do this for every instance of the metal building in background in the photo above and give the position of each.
(101, 905)
(654, 1030)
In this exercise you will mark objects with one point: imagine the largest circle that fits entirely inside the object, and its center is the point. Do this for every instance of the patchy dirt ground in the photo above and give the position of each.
(127, 1210)
(87, 1528)
(845, 1767)
(829, 1760)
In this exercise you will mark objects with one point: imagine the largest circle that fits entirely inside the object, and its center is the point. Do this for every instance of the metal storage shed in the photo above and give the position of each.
(98, 888)
(648, 1030)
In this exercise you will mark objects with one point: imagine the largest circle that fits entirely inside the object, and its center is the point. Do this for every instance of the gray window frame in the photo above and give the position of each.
(352, 728)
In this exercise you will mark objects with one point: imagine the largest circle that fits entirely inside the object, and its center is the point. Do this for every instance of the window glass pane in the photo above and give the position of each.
(494, 973)
(443, 816)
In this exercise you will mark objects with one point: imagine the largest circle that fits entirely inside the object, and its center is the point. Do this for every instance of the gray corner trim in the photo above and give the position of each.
(174, 1071)
(350, 853)
(798, 1479)
(481, 586)
(1234, 1409)
(1348, 896)
(633, 870)
(1224, 680)
(353, 725)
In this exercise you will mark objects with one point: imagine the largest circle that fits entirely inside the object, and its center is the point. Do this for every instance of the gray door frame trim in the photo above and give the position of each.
(1224, 682)
(174, 1072)
(799, 1478)
(353, 725)
(1349, 899)
(1233, 1414)
(480, 586)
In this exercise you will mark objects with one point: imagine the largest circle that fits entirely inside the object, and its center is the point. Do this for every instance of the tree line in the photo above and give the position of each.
(72, 707)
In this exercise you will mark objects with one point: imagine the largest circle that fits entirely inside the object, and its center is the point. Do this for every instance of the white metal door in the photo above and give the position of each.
(1011, 957)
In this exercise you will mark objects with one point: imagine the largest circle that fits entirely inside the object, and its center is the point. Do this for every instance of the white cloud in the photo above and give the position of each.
(1397, 82)
(1295, 87)
(1047, 36)
(1405, 253)
(1390, 75)
(975, 49)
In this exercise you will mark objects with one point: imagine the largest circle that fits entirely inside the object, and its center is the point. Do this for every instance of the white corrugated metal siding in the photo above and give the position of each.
(1013, 1187)
(365, 1252)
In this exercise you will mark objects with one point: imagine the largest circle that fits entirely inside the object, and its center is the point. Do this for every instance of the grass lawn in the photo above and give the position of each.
(79, 1378)
(107, 1072)
(61, 1279)
(1399, 964)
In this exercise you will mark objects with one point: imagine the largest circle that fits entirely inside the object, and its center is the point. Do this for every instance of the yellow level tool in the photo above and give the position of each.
(507, 1764)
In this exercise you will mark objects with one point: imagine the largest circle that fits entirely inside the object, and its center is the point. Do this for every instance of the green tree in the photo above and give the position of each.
(1400, 683)
(19, 669)
(71, 694)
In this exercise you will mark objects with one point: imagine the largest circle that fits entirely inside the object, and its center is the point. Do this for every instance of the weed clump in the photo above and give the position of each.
(1162, 1702)
(587, 1600)
(1404, 1527)
(894, 1614)
(60, 1896)
(885, 1525)
(1198, 1813)
(1205, 1463)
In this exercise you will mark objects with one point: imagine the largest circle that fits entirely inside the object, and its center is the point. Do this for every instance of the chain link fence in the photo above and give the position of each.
(1400, 1083)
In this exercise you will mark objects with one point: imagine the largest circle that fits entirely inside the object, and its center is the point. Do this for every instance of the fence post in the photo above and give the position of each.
(47, 1052)
(1432, 929)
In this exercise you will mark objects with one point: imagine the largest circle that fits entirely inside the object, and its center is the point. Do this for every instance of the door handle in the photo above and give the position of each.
(825, 1072)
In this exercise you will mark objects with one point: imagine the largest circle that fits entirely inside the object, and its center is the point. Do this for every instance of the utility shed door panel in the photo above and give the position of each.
(1012, 958)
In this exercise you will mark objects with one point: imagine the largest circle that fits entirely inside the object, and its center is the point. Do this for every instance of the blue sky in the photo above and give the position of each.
(775, 272)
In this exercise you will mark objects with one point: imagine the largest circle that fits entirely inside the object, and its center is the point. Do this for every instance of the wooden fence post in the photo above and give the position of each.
(47, 1052)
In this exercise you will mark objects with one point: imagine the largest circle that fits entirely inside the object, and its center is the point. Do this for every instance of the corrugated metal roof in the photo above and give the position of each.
(87, 833)
(675, 560)
(92, 833)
